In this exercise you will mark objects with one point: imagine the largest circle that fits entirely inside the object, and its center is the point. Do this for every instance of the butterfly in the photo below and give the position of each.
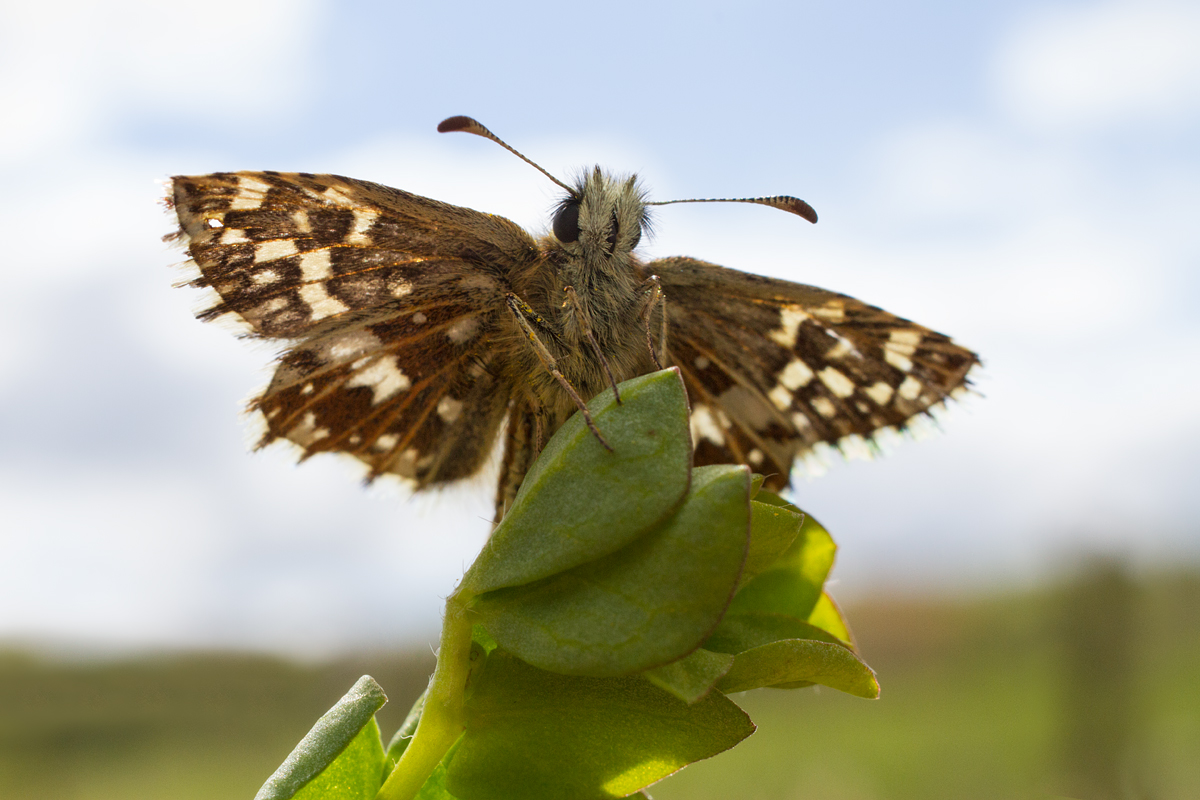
(418, 333)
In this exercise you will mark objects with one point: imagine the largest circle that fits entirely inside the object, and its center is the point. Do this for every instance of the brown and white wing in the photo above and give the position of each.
(774, 368)
(389, 302)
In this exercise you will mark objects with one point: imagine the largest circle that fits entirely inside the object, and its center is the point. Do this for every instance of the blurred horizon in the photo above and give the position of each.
(1025, 693)
(1023, 176)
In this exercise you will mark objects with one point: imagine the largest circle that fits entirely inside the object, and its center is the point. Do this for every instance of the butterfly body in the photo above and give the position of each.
(416, 331)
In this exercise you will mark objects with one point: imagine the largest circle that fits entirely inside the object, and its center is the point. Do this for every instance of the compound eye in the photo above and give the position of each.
(566, 222)
(612, 234)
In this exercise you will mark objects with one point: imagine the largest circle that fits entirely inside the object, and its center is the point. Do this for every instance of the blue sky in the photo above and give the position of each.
(1022, 176)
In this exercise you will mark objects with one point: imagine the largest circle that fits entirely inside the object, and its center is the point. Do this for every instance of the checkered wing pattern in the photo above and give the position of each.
(389, 319)
(775, 369)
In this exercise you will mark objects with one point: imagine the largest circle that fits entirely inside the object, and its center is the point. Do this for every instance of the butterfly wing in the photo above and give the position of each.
(391, 301)
(774, 368)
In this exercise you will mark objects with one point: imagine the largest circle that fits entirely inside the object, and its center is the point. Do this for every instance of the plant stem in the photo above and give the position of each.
(443, 718)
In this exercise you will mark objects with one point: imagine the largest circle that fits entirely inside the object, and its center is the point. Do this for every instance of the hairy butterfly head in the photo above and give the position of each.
(602, 218)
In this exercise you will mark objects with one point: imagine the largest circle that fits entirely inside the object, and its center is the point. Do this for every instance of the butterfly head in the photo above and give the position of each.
(602, 217)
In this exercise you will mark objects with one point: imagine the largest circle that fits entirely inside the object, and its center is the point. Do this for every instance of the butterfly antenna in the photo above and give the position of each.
(792, 205)
(469, 125)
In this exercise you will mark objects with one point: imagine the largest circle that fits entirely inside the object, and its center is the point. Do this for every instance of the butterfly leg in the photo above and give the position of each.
(586, 323)
(655, 297)
(523, 313)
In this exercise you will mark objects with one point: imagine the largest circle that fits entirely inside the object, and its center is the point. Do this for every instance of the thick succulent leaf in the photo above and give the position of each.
(693, 676)
(341, 758)
(773, 528)
(828, 617)
(793, 584)
(796, 662)
(581, 502)
(740, 632)
(649, 604)
(533, 734)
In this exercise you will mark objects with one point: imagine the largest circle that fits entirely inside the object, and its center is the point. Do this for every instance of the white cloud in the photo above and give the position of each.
(69, 68)
(1126, 62)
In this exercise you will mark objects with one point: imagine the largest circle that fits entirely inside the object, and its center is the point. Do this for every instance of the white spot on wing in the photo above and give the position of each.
(301, 221)
(902, 363)
(251, 193)
(463, 330)
(350, 346)
(833, 311)
(910, 389)
(315, 265)
(384, 377)
(704, 426)
(449, 409)
(264, 276)
(278, 248)
(900, 346)
(364, 218)
(386, 442)
(781, 397)
(795, 374)
(306, 432)
(824, 406)
(233, 236)
(790, 318)
(419, 318)
(838, 383)
(399, 287)
(755, 456)
(801, 421)
(336, 195)
(880, 392)
(701, 362)
(319, 302)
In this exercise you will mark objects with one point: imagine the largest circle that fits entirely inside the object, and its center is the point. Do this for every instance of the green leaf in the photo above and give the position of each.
(533, 734)
(403, 736)
(773, 528)
(828, 617)
(693, 676)
(435, 787)
(792, 662)
(341, 758)
(793, 584)
(740, 632)
(581, 502)
(646, 605)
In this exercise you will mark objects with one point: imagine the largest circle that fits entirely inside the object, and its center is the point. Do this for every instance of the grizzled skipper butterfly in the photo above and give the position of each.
(418, 330)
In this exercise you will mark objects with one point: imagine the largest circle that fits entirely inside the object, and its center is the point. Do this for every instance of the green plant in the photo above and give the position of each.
(589, 650)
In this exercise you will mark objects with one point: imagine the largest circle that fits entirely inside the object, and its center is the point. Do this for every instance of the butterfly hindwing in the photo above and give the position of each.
(775, 368)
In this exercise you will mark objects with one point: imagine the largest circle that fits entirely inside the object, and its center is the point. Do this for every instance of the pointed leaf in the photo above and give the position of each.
(828, 617)
(648, 604)
(341, 758)
(533, 734)
(581, 502)
(790, 662)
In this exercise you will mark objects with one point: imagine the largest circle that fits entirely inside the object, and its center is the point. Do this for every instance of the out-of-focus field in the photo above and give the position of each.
(1089, 689)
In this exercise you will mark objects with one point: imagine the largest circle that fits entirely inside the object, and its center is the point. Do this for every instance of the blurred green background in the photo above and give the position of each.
(1086, 688)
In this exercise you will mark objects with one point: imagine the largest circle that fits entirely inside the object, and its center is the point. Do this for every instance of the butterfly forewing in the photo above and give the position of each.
(392, 300)
(774, 368)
